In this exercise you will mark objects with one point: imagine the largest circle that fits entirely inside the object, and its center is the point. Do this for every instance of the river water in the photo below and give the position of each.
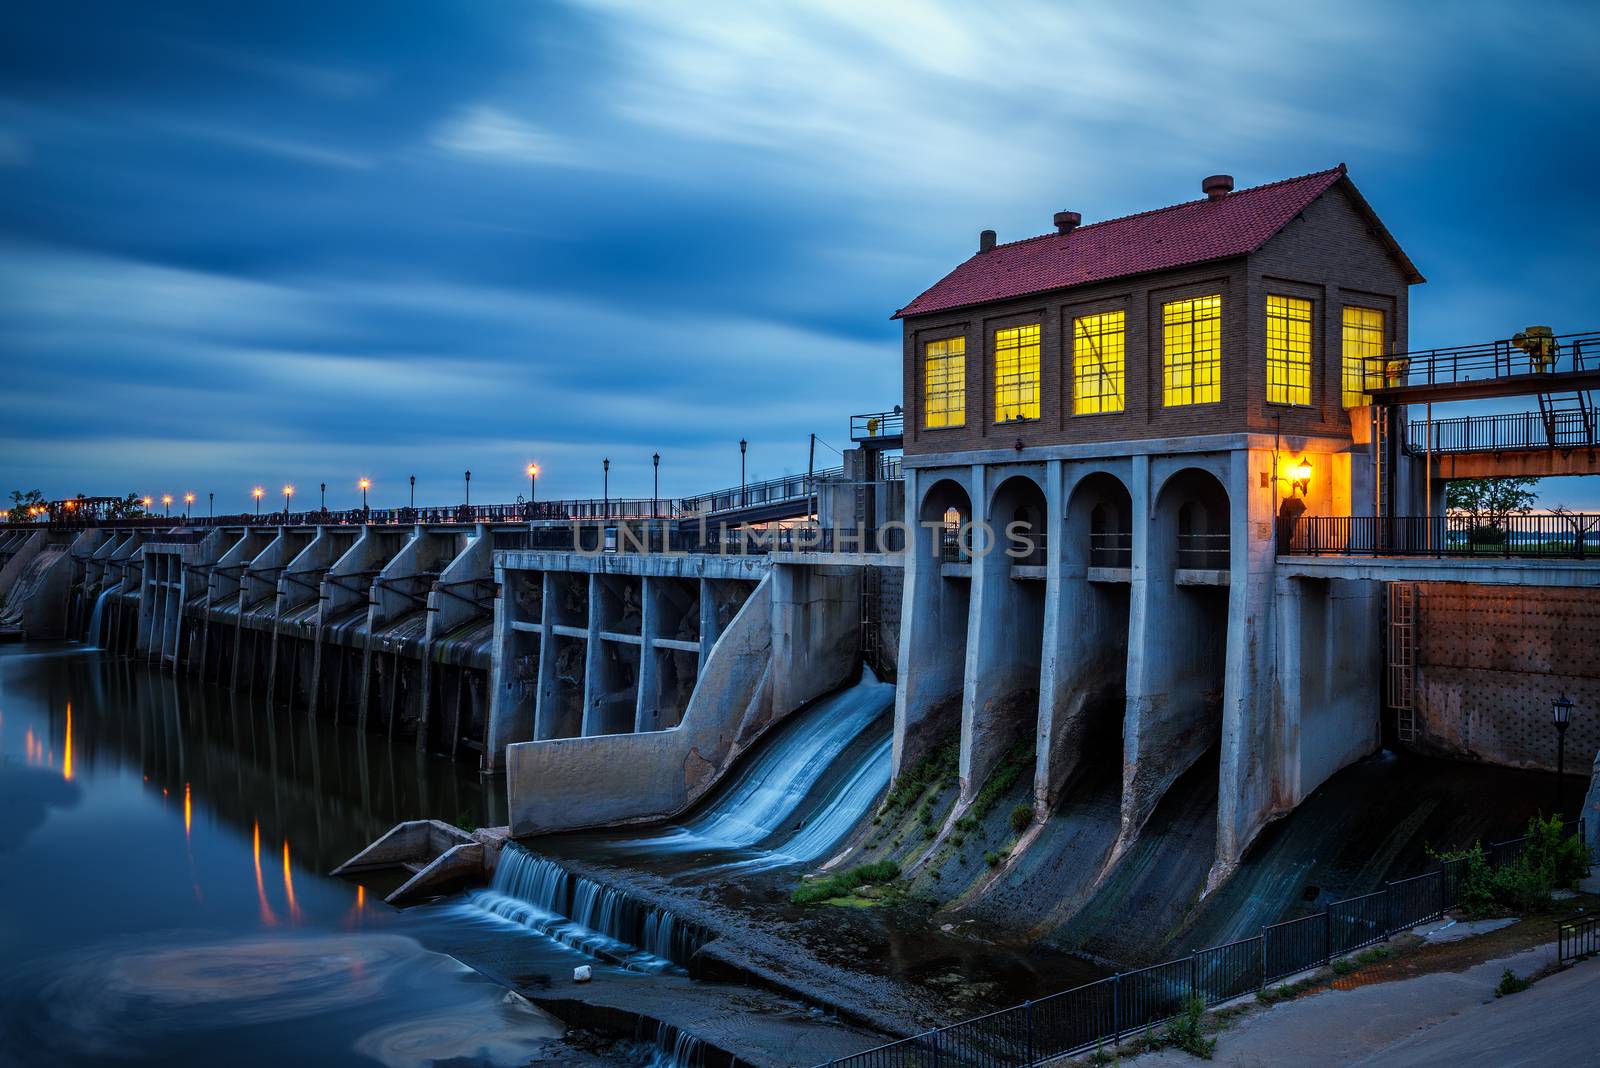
(162, 897)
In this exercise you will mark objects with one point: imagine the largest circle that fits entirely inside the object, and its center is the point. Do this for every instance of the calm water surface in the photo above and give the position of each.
(162, 897)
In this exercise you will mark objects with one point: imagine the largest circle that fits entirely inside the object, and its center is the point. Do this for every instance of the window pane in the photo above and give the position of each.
(1191, 345)
(944, 383)
(1288, 350)
(1098, 351)
(1363, 339)
(1016, 373)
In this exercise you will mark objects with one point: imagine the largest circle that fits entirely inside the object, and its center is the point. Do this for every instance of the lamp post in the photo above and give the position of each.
(655, 485)
(257, 492)
(188, 499)
(364, 483)
(605, 488)
(1561, 713)
(166, 504)
(743, 445)
(469, 489)
(211, 504)
(323, 488)
(288, 491)
(533, 483)
(413, 492)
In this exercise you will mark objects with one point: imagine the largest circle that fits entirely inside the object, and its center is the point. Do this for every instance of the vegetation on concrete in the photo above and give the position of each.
(842, 885)
(1016, 761)
(1511, 983)
(938, 768)
(1021, 816)
(1346, 965)
(1551, 860)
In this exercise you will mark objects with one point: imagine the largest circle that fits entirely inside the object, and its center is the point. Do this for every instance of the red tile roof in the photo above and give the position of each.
(1196, 232)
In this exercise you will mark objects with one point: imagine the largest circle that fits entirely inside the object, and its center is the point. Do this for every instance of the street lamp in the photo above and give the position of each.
(188, 499)
(468, 501)
(322, 487)
(365, 483)
(211, 503)
(413, 492)
(288, 491)
(257, 494)
(605, 487)
(166, 503)
(1561, 713)
(743, 445)
(533, 482)
(655, 486)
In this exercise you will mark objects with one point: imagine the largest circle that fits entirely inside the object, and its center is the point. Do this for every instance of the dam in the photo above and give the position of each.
(1098, 647)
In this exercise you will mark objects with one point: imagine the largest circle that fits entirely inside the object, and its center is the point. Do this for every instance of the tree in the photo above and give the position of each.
(22, 503)
(1490, 502)
(130, 507)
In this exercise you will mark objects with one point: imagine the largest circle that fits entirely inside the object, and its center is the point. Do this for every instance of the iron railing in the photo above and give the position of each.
(1482, 361)
(1577, 938)
(1513, 432)
(1204, 552)
(1560, 535)
(1108, 1010)
(1111, 548)
(875, 425)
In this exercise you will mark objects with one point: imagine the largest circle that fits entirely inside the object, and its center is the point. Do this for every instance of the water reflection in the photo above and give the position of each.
(162, 896)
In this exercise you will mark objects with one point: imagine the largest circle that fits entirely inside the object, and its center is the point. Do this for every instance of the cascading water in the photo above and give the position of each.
(673, 1048)
(738, 827)
(580, 913)
(764, 795)
(93, 635)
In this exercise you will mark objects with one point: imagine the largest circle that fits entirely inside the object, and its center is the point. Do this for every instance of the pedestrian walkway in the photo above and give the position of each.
(1444, 1018)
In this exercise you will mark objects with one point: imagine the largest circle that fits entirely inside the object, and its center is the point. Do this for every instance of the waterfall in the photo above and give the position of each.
(582, 914)
(93, 635)
(763, 796)
(843, 809)
(673, 1048)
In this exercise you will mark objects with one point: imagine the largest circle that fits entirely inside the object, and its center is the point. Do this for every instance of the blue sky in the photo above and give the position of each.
(307, 242)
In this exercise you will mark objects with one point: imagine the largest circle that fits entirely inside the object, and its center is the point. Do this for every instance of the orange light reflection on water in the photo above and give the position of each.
(66, 759)
(268, 917)
(188, 811)
(288, 885)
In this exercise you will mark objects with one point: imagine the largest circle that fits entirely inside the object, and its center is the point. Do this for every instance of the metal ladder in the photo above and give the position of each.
(1402, 659)
(1569, 419)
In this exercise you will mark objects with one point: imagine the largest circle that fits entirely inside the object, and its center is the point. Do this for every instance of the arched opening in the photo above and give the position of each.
(1176, 708)
(1087, 706)
(1003, 697)
(933, 625)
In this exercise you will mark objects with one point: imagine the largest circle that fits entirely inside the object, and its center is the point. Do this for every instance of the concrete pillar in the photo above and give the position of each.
(646, 708)
(816, 632)
(1004, 640)
(933, 635)
(547, 705)
(449, 610)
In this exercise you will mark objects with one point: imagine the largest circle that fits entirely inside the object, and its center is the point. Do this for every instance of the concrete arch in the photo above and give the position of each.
(1005, 635)
(1178, 631)
(933, 615)
(1098, 523)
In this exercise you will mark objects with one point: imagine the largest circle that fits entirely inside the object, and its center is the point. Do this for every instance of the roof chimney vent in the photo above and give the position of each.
(1217, 186)
(1066, 221)
(986, 241)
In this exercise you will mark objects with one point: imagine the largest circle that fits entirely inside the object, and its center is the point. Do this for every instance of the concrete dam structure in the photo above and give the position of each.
(1162, 561)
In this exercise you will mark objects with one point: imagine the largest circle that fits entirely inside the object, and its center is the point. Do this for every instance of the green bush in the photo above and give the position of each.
(1510, 983)
(1021, 816)
(1187, 1032)
(993, 858)
(840, 884)
(1552, 859)
(938, 767)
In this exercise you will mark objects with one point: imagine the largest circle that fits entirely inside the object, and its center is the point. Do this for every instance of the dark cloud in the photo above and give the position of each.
(303, 241)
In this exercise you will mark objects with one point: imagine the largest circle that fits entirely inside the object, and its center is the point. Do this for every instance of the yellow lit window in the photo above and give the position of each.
(1363, 339)
(1097, 363)
(1016, 373)
(944, 383)
(1288, 350)
(1191, 350)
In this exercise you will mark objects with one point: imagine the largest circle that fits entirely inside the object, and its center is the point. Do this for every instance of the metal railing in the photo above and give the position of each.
(1482, 361)
(1577, 938)
(1111, 548)
(1556, 535)
(1514, 432)
(875, 425)
(1111, 1009)
(1204, 552)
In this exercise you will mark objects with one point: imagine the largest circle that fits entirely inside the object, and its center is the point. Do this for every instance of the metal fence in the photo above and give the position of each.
(1484, 360)
(1577, 938)
(1565, 535)
(1108, 1010)
(1512, 432)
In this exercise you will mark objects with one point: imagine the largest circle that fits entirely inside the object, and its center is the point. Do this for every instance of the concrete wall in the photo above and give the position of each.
(1491, 659)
